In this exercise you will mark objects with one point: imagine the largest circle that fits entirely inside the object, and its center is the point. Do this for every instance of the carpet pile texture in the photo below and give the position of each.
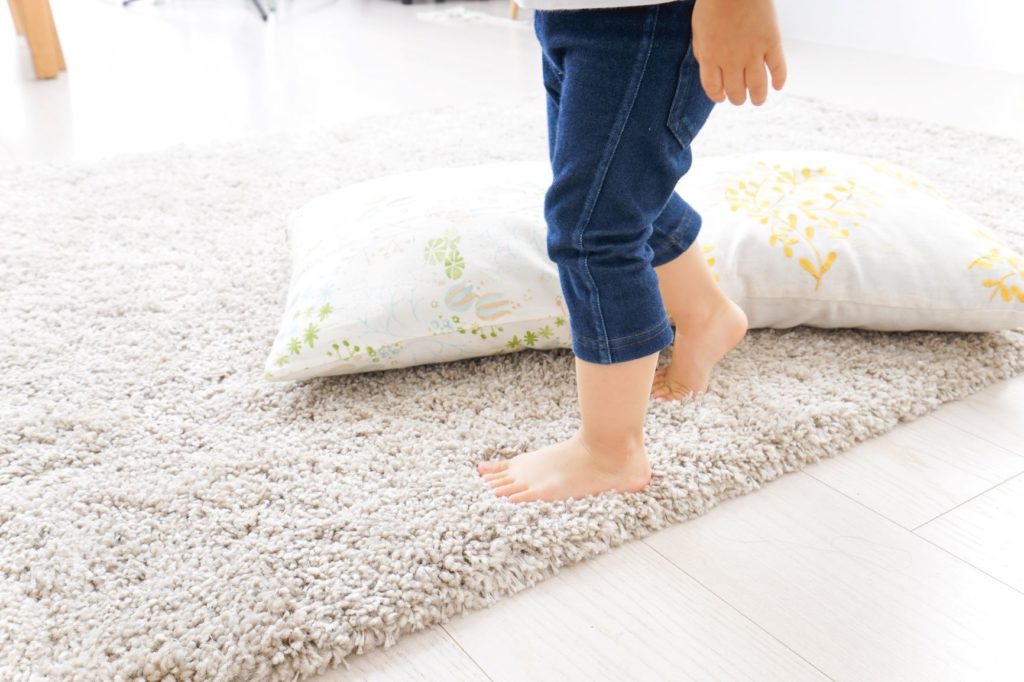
(165, 513)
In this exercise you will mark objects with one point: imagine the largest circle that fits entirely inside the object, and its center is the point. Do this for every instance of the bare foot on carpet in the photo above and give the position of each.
(570, 469)
(699, 344)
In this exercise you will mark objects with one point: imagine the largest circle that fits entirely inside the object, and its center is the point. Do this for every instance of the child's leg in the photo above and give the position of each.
(607, 453)
(625, 106)
(708, 324)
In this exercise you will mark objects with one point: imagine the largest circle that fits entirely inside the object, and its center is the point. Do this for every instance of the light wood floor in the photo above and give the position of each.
(901, 559)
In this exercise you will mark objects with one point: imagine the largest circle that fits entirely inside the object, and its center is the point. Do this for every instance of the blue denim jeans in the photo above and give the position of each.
(624, 101)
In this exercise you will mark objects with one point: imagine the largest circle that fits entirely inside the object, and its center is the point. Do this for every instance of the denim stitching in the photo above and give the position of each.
(674, 239)
(559, 74)
(685, 226)
(681, 112)
(633, 339)
(624, 341)
(620, 123)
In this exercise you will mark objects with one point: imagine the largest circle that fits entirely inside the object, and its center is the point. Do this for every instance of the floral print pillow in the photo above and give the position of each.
(419, 268)
(833, 240)
(451, 263)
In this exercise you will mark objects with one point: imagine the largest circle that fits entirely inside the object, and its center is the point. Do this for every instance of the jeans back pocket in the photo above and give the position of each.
(691, 106)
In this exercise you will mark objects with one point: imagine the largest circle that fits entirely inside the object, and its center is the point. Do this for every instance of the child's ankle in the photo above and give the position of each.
(701, 312)
(613, 450)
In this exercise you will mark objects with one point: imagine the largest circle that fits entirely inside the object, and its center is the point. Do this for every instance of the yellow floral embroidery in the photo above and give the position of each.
(772, 194)
(1001, 255)
(708, 248)
(901, 175)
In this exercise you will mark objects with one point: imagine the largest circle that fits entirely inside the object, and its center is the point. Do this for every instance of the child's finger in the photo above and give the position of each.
(757, 82)
(777, 65)
(734, 86)
(711, 79)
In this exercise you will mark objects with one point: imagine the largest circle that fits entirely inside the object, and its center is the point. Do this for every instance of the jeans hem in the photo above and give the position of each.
(678, 242)
(627, 348)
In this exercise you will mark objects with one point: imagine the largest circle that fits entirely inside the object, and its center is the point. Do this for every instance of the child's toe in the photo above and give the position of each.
(510, 489)
(524, 496)
(492, 466)
(500, 481)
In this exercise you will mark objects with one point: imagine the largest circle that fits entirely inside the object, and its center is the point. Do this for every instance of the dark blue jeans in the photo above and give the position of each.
(624, 102)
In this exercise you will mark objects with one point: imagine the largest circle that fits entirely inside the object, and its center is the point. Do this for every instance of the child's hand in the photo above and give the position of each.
(732, 41)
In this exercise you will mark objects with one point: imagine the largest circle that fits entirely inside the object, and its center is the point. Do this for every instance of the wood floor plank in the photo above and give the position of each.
(918, 470)
(626, 615)
(996, 413)
(857, 595)
(427, 655)
(987, 532)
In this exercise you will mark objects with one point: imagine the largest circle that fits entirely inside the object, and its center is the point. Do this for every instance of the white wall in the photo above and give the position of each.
(982, 33)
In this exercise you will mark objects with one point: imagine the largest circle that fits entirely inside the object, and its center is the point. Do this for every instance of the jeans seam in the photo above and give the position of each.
(691, 221)
(609, 154)
(673, 236)
(625, 341)
(679, 122)
(559, 74)
(674, 239)
(633, 339)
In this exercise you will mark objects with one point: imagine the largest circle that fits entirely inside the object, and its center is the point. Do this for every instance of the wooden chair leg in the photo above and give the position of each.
(56, 41)
(47, 56)
(513, 10)
(19, 27)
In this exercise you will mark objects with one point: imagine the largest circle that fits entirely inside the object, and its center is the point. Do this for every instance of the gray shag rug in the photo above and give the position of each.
(166, 513)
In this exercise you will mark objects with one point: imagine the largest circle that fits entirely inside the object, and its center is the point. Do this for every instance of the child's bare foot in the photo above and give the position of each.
(699, 344)
(569, 469)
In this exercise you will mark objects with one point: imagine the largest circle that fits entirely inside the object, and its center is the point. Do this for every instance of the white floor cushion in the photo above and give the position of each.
(451, 263)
